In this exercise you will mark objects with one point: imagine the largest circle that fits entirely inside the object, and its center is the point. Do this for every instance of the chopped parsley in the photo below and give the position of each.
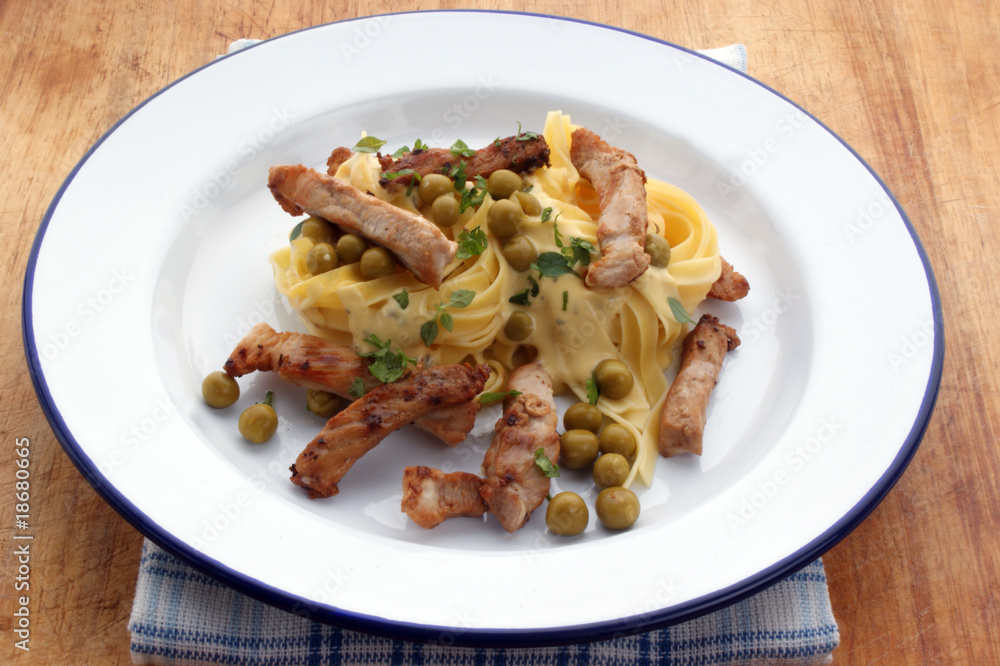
(550, 469)
(523, 297)
(593, 391)
(357, 388)
(403, 298)
(565, 300)
(471, 243)
(296, 230)
(489, 398)
(460, 298)
(388, 365)
(680, 314)
(368, 144)
(524, 136)
(460, 148)
(553, 264)
(546, 213)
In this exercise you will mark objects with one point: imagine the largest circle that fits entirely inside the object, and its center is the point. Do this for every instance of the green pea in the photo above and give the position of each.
(220, 390)
(445, 210)
(502, 183)
(519, 253)
(322, 257)
(322, 403)
(503, 219)
(531, 206)
(519, 326)
(377, 262)
(615, 438)
(259, 422)
(350, 247)
(318, 230)
(610, 470)
(567, 514)
(434, 185)
(617, 508)
(583, 416)
(577, 449)
(658, 249)
(614, 379)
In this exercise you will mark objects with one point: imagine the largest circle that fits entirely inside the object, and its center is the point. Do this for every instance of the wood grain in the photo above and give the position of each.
(913, 86)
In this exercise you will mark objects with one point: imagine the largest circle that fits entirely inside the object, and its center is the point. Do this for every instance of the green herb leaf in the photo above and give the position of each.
(474, 195)
(446, 321)
(471, 243)
(402, 151)
(524, 136)
(460, 148)
(393, 175)
(489, 398)
(457, 174)
(429, 331)
(403, 298)
(520, 298)
(296, 231)
(680, 314)
(419, 145)
(546, 213)
(535, 288)
(550, 469)
(578, 251)
(497, 144)
(388, 365)
(565, 300)
(460, 298)
(552, 264)
(368, 144)
(593, 391)
(357, 388)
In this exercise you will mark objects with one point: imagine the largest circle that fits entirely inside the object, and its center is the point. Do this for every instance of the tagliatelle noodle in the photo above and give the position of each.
(632, 323)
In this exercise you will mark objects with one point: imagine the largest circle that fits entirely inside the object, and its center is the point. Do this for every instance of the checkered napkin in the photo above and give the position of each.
(181, 616)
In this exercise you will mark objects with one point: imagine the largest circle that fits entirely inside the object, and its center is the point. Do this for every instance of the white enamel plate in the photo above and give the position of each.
(152, 262)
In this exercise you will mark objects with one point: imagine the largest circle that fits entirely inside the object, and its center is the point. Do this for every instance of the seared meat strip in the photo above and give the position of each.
(337, 157)
(368, 420)
(514, 485)
(518, 153)
(621, 228)
(731, 286)
(682, 421)
(318, 364)
(430, 496)
(416, 241)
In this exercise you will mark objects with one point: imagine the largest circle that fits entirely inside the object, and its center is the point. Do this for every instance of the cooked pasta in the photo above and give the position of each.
(574, 326)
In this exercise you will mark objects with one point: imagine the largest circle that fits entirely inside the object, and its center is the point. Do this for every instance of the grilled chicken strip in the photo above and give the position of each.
(430, 496)
(416, 241)
(731, 286)
(314, 363)
(682, 421)
(514, 485)
(621, 228)
(522, 153)
(368, 420)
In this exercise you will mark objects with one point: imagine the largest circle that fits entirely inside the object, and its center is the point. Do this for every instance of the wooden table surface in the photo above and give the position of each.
(913, 86)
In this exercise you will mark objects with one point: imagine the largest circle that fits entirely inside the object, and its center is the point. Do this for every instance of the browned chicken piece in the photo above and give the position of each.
(621, 227)
(368, 420)
(337, 157)
(315, 363)
(417, 242)
(514, 485)
(731, 286)
(682, 421)
(430, 496)
(522, 153)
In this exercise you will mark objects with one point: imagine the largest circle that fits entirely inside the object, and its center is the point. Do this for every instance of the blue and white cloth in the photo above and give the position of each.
(181, 616)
